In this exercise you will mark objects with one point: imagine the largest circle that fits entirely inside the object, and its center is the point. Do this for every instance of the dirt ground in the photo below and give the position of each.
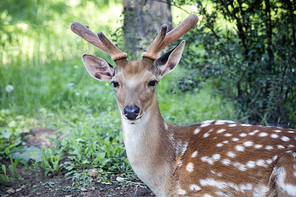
(61, 186)
(35, 183)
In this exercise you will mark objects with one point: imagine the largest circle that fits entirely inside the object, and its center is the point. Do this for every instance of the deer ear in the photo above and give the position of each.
(168, 62)
(97, 67)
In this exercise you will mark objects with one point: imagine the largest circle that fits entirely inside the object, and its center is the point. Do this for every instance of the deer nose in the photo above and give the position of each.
(131, 113)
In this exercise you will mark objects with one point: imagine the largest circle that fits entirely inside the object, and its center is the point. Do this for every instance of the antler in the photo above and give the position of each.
(163, 39)
(100, 41)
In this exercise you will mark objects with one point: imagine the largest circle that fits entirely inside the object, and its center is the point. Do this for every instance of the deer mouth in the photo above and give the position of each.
(135, 120)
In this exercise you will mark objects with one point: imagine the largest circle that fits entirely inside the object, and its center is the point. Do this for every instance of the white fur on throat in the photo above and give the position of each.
(139, 140)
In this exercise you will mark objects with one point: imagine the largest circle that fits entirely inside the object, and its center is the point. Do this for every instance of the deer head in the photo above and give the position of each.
(134, 81)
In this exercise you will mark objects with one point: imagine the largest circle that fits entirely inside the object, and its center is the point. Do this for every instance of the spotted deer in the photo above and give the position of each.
(211, 158)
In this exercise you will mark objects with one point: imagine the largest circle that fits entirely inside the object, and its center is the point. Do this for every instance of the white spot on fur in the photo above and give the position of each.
(207, 195)
(291, 132)
(243, 134)
(245, 125)
(285, 138)
(260, 162)
(231, 154)
(250, 164)
(206, 135)
(189, 167)
(232, 125)
(246, 187)
(184, 148)
(221, 122)
(280, 180)
(226, 162)
(280, 146)
(194, 154)
(235, 139)
(207, 159)
(248, 143)
(180, 163)
(221, 130)
(196, 131)
(166, 126)
(239, 148)
(213, 183)
(204, 159)
(274, 157)
(171, 137)
(260, 191)
(181, 192)
(274, 135)
(216, 157)
(254, 132)
(223, 194)
(206, 123)
(234, 186)
(258, 146)
(268, 161)
(277, 131)
(219, 174)
(263, 134)
(228, 135)
(219, 145)
(194, 187)
(225, 142)
(290, 146)
(240, 166)
(268, 147)
(178, 146)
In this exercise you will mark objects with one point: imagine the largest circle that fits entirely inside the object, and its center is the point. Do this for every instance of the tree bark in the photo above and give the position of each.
(142, 22)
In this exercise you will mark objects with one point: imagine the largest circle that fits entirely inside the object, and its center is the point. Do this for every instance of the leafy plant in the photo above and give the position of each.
(13, 165)
(50, 161)
(247, 48)
(4, 176)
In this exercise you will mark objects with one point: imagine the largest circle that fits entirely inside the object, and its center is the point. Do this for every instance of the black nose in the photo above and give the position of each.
(131, 113)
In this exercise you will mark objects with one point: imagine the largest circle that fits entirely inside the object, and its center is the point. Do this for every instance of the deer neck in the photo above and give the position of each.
(144, 143)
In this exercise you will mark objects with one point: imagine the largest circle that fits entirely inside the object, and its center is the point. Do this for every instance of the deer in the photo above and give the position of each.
(211, 158)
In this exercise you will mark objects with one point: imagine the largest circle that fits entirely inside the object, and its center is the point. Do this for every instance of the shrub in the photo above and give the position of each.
(250, 52)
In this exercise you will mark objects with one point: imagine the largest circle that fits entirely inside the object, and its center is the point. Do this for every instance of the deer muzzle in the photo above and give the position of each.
(131, 112)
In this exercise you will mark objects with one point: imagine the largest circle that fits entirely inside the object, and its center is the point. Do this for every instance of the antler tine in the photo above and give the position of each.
(173, 35)
(93, 39)
(116, 53)
(156, 43)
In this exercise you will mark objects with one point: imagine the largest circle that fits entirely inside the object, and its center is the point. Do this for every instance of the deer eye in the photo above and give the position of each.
(115, 84)
(152, 83)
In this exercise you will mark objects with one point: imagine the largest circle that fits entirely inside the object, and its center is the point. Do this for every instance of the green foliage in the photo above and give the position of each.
(248, 49)
(4, 177)
(79, 178)
(13, 165)
(50, 161)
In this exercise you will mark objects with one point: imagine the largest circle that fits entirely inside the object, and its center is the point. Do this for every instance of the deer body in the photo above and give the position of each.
(212, 158)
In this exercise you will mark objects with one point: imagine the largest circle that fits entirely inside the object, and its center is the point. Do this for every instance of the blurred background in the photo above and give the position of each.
(239, 64)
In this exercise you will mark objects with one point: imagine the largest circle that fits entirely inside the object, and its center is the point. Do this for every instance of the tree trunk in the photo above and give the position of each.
(142, 22)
